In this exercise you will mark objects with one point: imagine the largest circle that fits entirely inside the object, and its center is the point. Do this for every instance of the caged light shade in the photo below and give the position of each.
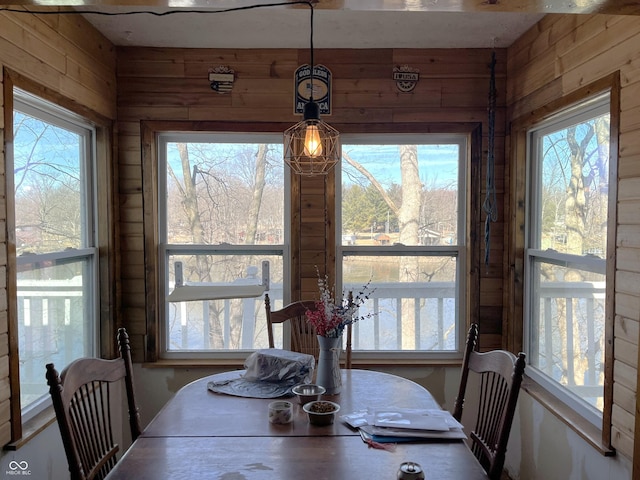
(312, 147)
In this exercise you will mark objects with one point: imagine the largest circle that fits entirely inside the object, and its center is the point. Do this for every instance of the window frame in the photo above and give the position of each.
(599, 437)
(585, 110)
(53, 112)
(459, 251)
(164, 249)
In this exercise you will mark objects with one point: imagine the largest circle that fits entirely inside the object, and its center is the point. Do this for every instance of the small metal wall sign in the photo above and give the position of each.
(406, 78)
(221, 79)
(321, 88)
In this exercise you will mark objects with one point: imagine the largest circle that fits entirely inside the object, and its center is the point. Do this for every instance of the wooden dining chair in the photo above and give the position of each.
(83, 399)
(500, 375)
(303, 335)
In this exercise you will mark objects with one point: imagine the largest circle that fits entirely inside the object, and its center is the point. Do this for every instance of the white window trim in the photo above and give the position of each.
(586, 110)
(460, 250)
(53, 114)
(165, 249)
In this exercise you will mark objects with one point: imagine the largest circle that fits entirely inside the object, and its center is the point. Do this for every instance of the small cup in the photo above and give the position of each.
(280, 412)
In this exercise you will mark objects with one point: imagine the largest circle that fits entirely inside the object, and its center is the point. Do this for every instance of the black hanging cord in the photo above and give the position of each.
(311, 49)
(157, 14)
(490, 205)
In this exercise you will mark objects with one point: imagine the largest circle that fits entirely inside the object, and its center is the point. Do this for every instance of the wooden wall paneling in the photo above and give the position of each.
(611, 285)
(601, 66)
(594, 37)
(629, 189)
(629, 212)
(26, 34)
(5, 387)
(582, 36)
(624, 442)
(168, 84)
(474, 237)
(63, 61)
(295, 239)
(537, 99)
(32, 47)
(582, 53)
(168, 68)
(12, 361)
(625, 396)
(150, 239)
(5, 384)
(438, 115)
(350, 56)
(331, 227)
(627, 305)
(627, 144)
(108, 226)
(83, 41)
(627, 328)
(626, 352)
(630, 117)
(240, 114)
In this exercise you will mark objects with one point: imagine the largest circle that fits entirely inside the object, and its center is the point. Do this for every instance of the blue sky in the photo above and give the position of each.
(438, 163)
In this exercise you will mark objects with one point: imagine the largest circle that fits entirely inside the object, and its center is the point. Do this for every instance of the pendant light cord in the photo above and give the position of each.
(490, 205)
(150, 12)
(311, 50)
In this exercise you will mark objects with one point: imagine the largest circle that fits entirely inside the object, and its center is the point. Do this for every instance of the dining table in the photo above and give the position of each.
(207, 435)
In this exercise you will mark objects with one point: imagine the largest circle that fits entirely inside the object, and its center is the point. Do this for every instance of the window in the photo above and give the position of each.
(402, 217)
(565, 257)
(222, 215)
(53, 155)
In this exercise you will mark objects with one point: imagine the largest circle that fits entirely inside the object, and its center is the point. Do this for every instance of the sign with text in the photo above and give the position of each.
(406, 78)
(321, 88)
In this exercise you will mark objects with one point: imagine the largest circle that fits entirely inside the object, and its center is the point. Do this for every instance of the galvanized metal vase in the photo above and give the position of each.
(328, 373)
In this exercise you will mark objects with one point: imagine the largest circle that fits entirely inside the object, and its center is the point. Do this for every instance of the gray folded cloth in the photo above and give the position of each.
(279, 366)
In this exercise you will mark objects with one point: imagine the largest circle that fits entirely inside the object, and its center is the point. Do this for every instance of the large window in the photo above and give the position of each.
(566, 254)
(402, 217)
(53, 154)
(222, 216)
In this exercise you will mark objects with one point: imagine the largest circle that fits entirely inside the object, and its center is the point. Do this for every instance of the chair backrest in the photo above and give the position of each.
(303, 335)
(83, 402)
(500, 375)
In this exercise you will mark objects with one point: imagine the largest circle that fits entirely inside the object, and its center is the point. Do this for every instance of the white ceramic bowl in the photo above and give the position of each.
(321, 412)
(308, 392)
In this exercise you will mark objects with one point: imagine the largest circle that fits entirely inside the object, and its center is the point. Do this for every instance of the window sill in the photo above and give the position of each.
(238, 364)
(585, 429)
(33, 427)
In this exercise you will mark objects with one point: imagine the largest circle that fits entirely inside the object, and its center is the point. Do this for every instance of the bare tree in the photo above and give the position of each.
(221, 192)
(408, 214)
(256, 198)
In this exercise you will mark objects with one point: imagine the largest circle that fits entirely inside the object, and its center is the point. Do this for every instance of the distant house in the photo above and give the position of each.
(382, 239)
(348, 239)
(430, 237)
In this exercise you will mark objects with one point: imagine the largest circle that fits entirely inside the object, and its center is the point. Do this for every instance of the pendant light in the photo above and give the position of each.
(311, 147)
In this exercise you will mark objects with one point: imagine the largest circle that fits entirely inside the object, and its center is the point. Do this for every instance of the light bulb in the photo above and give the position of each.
(312, 143)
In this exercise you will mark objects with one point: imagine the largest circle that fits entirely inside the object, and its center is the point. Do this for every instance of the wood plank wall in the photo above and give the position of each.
(558, 56)
(58, 56)
(171, 84)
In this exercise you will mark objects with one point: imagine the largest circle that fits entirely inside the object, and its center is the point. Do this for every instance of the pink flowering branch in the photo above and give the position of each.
(329, 319)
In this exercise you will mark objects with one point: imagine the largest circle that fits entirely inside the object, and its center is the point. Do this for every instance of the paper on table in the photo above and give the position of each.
(415, 419)
(386, 435)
